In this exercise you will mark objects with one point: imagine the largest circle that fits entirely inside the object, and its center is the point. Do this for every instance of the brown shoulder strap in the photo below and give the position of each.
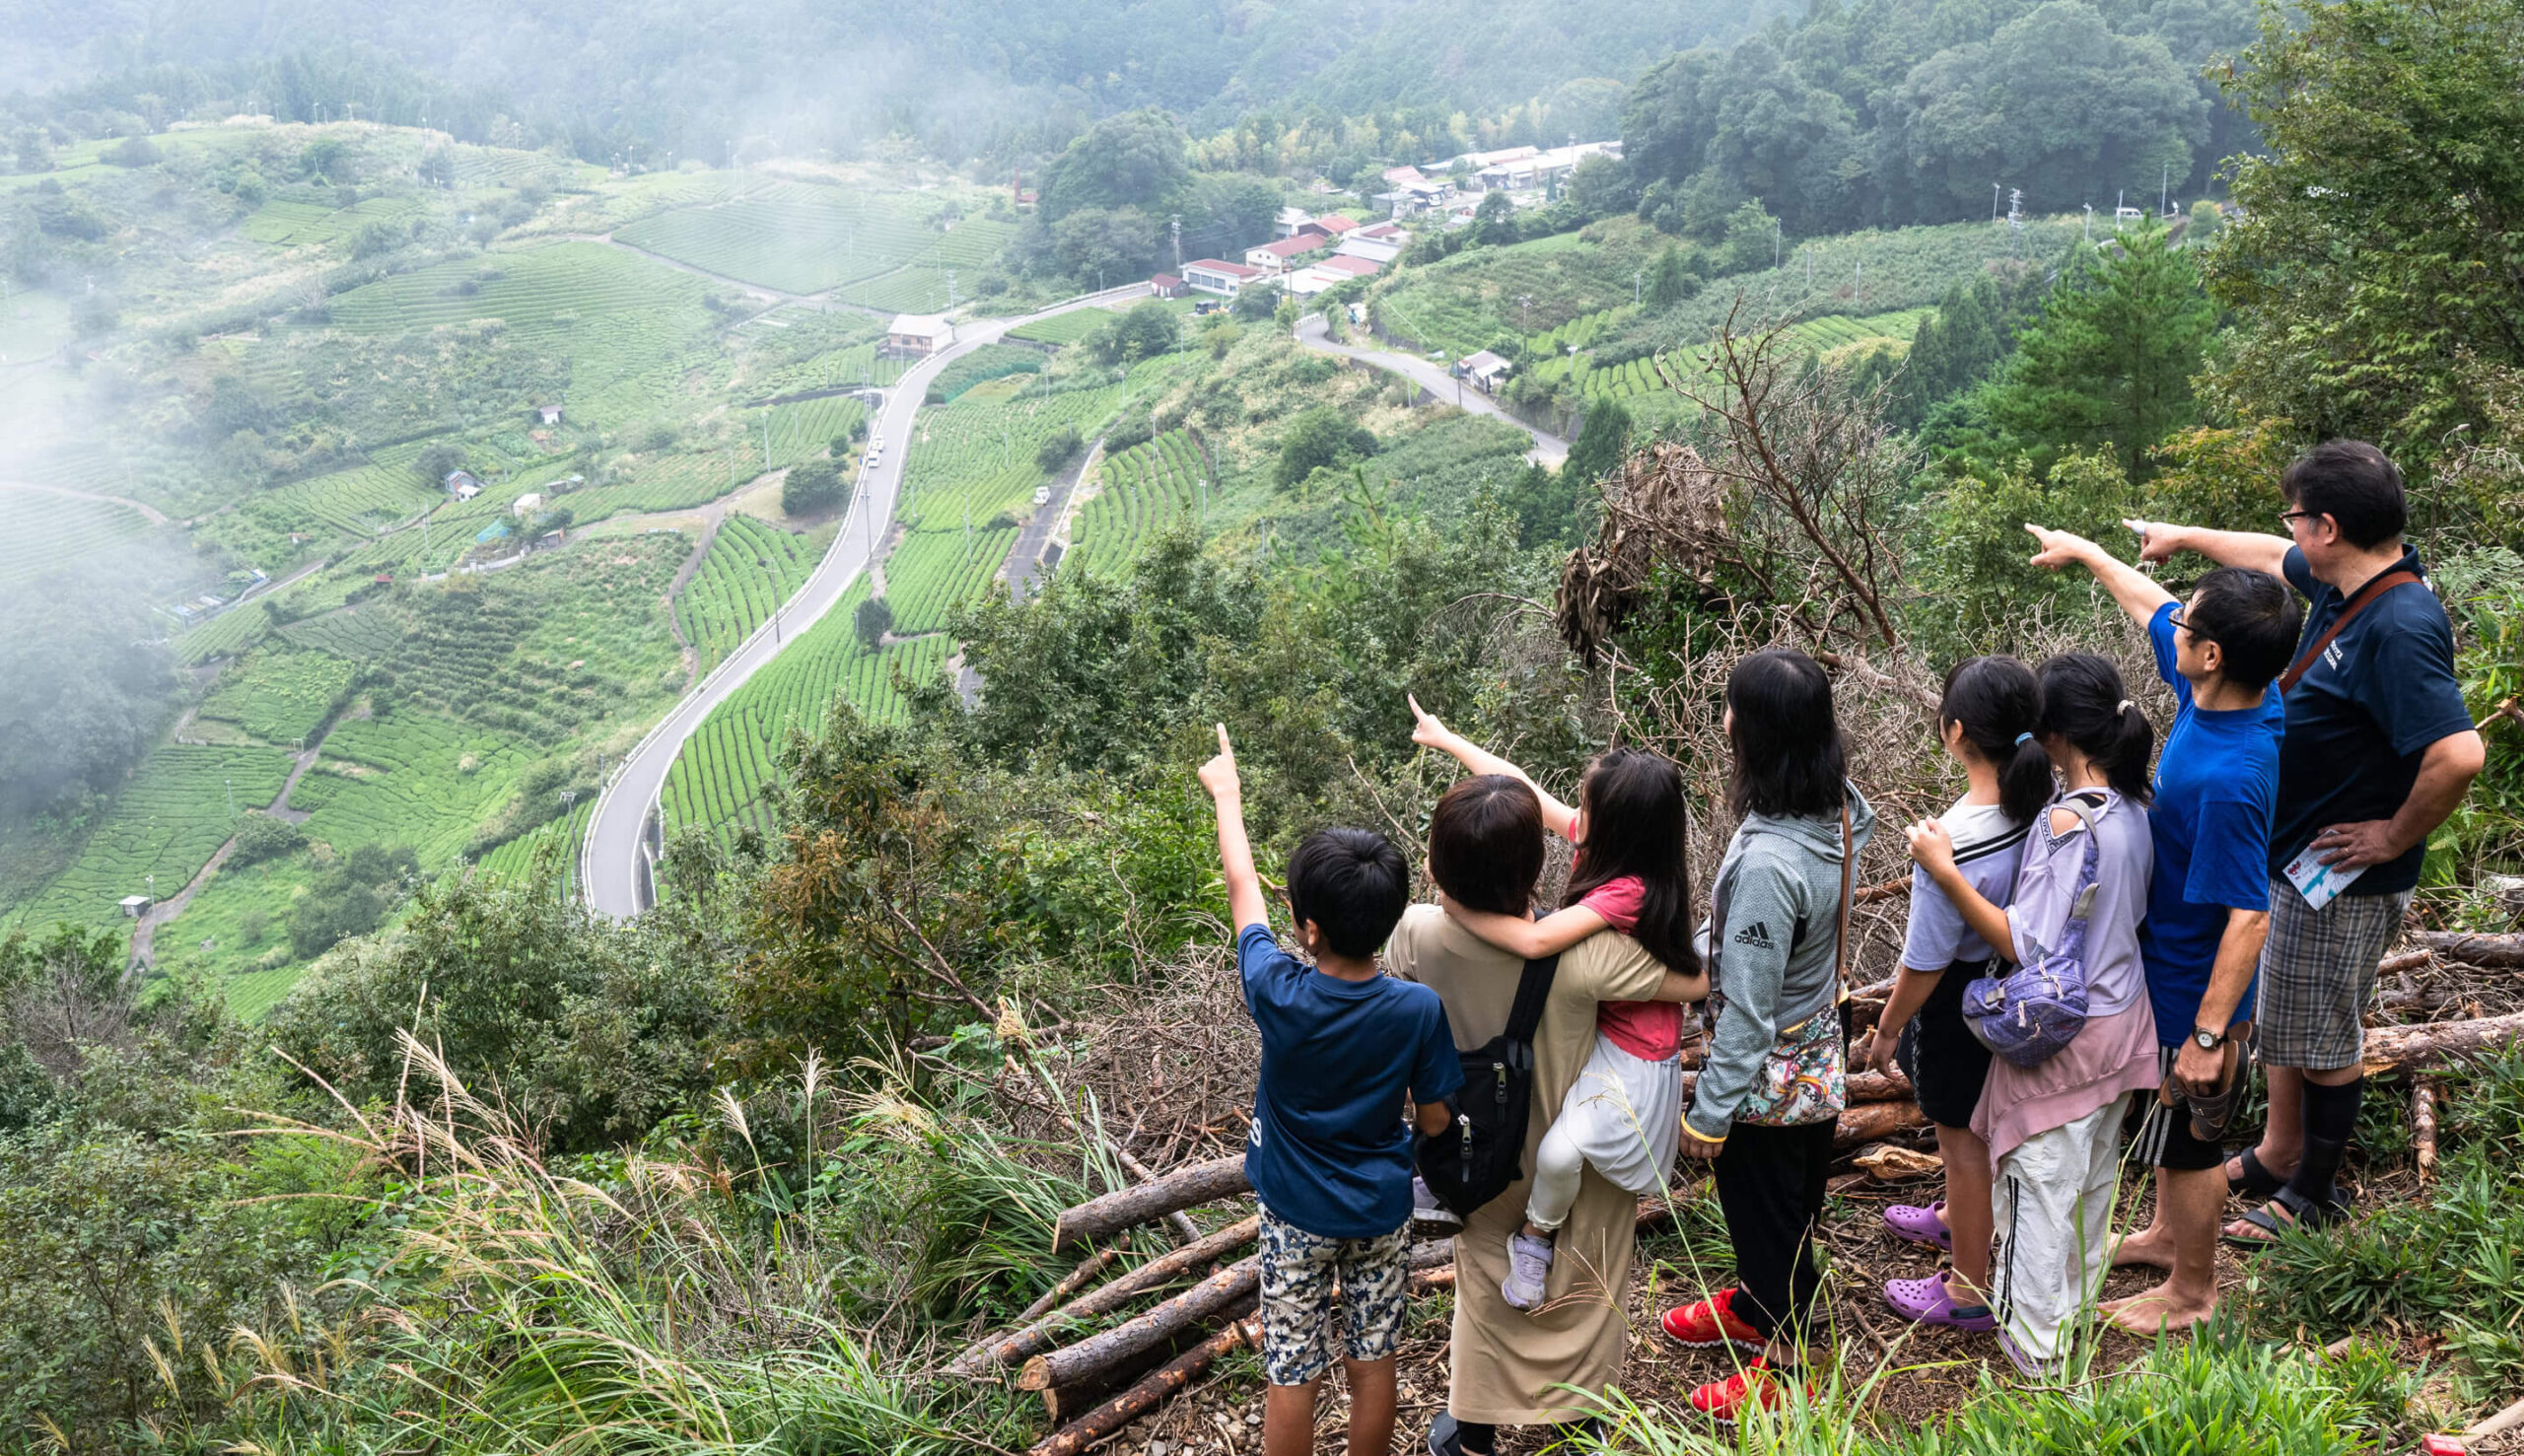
(2366, 594)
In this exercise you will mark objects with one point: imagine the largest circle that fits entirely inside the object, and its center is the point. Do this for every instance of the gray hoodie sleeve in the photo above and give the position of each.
(1763, 905)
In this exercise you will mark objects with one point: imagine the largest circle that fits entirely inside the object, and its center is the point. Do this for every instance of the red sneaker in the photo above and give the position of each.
(1757, 1384)
(1710, 1323)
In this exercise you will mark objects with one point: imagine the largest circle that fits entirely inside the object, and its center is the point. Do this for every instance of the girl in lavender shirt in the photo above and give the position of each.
(2054, 1128)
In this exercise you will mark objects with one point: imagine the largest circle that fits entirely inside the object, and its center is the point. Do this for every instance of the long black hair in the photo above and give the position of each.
(1635, 824)
(2084, 702)
(1788, 758)
(1999, 703)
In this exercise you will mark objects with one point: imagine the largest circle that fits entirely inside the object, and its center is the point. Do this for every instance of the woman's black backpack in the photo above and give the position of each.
(1477, 1157)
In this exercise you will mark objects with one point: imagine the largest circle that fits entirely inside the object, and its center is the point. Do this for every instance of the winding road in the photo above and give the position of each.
(1314, 334)
(615, 860)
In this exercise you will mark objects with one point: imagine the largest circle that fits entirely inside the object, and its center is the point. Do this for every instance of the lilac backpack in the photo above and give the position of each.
(2030, 1014)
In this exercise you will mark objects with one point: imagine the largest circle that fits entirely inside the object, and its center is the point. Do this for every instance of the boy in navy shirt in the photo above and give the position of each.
(1330, 1156)
(2208, 901)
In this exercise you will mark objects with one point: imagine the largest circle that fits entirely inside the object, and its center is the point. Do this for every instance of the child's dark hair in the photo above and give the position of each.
(1635, 824)
(1788, 758)
(1353, 883)
(2084, 702)
(1486, 843)
(2253, 619)
(1999, 702)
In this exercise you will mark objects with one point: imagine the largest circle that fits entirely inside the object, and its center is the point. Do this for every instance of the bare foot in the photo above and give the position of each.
(2153, 1248)
(2159, 1310)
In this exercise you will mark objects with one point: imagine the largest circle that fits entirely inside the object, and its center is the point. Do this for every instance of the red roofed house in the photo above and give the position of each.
(1331, 224)
(1274, 257)
(1167, 286)
(1211, 275)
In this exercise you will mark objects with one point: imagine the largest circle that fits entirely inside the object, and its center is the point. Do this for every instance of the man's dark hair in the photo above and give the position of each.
(2253, 619)
(1352, 883)
(1788, 758)
(1486, 843)
(2353, 483)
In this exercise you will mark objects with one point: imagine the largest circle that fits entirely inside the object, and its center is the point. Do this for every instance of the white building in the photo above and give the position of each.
(923, 334)
(1218, 276)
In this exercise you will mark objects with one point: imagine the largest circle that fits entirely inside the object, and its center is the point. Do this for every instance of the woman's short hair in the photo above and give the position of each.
(1486, 843)
(1789, 757)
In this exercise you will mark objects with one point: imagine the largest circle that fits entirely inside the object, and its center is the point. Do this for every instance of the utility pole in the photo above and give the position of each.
(951, 290)
(1993, 202)
(1178, 243)
(1776, 239)
(2089, 233)
(1524, 313)
(2165, 190)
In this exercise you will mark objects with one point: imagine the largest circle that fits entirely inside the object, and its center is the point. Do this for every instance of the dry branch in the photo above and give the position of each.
(2505, 952)
(1869, 1122)
(1128, 1208)
(1071, 1282)
(1033, 1339)
(2423, 1122)
(1099, 1352)
(2400, 1048)
(1153, 1390)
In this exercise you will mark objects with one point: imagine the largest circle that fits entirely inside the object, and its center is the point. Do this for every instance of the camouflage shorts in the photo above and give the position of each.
(1298, 1274)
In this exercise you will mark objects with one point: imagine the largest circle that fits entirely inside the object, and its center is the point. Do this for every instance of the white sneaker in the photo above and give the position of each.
(1429, 1214)
(1528, 1265)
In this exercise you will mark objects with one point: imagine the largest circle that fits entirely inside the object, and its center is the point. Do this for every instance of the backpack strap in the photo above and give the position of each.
(1841, 913)
(1533, 992)
(2082, 903)
(2365, 598)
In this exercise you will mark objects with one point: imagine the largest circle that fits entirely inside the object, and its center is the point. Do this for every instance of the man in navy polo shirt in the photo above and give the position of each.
(2379, 748)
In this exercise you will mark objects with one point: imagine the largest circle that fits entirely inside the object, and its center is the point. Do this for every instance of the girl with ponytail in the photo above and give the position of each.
(1989, 721)
(2053, 1129)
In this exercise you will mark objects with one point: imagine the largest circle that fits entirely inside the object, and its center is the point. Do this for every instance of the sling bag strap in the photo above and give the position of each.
(1841, 914)
(1533, 992)
(2365, 596)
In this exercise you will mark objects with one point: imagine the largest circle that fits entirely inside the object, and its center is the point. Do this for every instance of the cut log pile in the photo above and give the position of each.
(1098, 1374)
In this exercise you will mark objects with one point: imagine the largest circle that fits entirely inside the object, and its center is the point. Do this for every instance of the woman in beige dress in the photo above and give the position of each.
(1513, 1368)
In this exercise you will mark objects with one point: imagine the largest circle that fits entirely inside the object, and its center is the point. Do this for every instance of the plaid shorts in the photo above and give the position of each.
(2317, 974)
(1299, 1270)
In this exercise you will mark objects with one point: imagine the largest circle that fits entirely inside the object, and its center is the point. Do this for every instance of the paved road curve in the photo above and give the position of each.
(1549, 450)
(613, 863)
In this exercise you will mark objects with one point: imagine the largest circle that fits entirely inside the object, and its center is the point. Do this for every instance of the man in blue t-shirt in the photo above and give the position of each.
(2379, 749)
(2208, 903)
(1344, 1050)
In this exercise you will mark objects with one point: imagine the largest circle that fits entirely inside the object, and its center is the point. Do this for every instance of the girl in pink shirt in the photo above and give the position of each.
(1624, 1115)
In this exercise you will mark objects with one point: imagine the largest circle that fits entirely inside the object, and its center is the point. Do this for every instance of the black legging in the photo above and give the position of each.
(1770, 1183)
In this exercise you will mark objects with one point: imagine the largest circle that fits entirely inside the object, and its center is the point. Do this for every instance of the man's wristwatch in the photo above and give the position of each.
(2209, 1040)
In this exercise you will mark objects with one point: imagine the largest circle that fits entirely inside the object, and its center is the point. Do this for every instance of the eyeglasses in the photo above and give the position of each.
(2287, 518)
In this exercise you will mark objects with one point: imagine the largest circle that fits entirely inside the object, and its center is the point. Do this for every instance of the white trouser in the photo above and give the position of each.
(2053, 1199)
(1559, 1167)
(1622, 1117)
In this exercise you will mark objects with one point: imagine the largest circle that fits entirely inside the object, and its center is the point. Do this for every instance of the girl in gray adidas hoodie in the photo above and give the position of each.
(1772, 949)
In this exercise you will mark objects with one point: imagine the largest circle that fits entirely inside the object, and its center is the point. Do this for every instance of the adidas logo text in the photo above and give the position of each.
(1756, 934)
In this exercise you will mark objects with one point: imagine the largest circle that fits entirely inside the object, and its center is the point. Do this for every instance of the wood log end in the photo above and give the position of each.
(1037, 1374)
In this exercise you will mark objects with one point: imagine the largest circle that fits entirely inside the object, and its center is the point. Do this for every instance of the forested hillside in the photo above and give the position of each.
(613, 616)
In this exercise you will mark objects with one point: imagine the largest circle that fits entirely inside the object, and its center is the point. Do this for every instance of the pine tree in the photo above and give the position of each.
(1602, 440)
(1672, 282)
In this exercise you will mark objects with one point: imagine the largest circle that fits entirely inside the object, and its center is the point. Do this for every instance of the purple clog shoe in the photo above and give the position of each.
(1929, 1301)
(1921, 1225)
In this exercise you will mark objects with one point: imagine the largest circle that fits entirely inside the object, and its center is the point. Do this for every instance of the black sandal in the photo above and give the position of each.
(2287, 1211)
(2257, 1182)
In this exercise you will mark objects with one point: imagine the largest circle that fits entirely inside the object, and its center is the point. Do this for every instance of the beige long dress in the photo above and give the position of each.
(1509, 1366)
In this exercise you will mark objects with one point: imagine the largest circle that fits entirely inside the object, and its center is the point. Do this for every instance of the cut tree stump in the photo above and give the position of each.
(1155, 1389)
(1872, 1122)
(1146, 1203)
(1030, 1340)
(2401, 1048)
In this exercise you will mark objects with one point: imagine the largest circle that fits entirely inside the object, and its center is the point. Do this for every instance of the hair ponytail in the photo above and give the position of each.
(2084, 702)
(1997, 701)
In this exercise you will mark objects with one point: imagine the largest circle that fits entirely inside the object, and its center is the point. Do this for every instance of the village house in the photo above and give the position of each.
(1328, 272)
(1290, 220)
(919, 334)
(1217, 276)
(1484, 370)
(462, 485)
(1167, 286)
(551, 414)
(1277, 255)
(1377, 250)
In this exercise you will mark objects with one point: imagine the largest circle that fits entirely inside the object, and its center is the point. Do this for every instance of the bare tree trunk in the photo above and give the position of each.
(1029, 1339)
(1098, 1353)
(1153, 1390)
(2398, 1048)
(1128, 1208)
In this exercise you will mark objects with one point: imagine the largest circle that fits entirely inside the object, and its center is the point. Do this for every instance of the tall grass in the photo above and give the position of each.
(676, 1307)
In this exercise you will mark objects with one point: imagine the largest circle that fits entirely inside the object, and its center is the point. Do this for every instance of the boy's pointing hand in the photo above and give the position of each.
(1218, 775)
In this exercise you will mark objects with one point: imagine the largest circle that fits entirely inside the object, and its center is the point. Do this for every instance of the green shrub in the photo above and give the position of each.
(813, 487)
(262, 837)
